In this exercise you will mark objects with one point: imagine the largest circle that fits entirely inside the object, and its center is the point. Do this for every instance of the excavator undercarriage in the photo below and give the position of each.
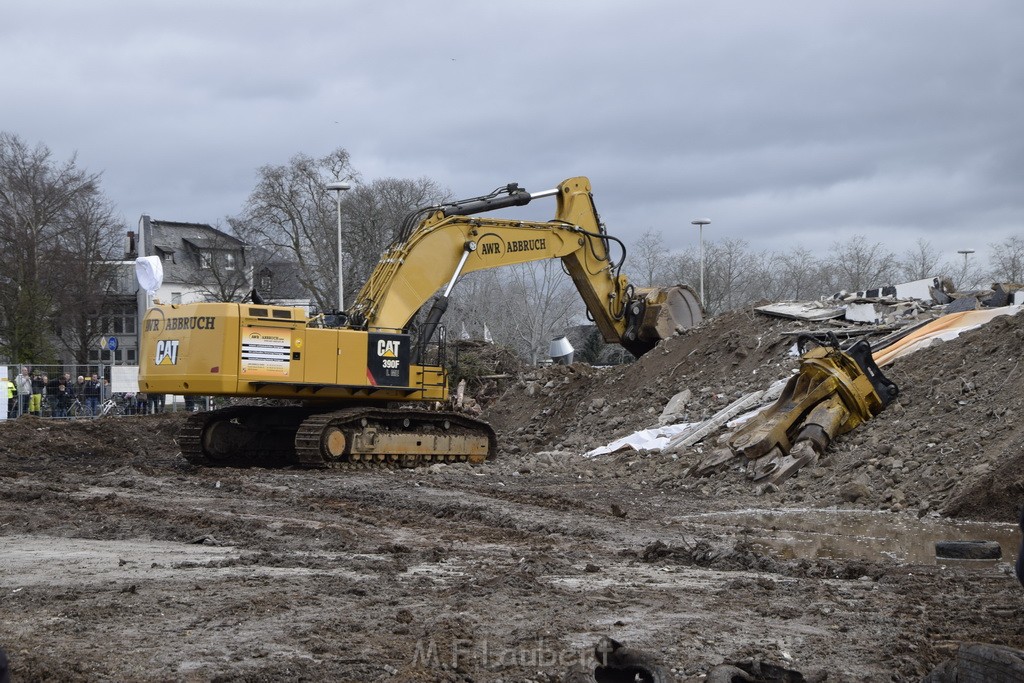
(272, 436)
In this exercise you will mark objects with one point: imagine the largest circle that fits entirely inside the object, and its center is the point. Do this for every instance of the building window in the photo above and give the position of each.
(205, 260)
(120, 320)
(175, 297)
(229, 261)
(130, 353)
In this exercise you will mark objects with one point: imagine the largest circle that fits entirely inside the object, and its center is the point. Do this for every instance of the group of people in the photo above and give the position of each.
(30, 393)
(35, 393)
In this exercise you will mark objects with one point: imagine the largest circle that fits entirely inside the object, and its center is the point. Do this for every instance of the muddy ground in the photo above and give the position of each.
(120, 561)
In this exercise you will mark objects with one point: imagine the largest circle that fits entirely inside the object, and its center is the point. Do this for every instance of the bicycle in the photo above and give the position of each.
(110, 407)
(76, 409)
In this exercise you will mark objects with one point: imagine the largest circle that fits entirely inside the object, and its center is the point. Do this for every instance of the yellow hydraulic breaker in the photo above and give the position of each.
(834, 392)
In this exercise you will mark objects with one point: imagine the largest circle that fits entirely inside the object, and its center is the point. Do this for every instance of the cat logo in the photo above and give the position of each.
(167, 352)
(388, 348)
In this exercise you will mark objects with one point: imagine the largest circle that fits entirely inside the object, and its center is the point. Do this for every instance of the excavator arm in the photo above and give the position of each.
(442, 243)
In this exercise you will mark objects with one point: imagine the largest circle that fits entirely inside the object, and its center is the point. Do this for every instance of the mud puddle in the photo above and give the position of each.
(855, 534)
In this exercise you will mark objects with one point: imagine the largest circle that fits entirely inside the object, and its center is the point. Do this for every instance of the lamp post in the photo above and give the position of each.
(966, 253)
(700, 223)
(338, 188)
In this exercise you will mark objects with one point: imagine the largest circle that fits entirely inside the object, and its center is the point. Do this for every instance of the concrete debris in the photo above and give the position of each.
(806, 310)
(675, 408)
(896, 304)
(964, 303)
(928, 289)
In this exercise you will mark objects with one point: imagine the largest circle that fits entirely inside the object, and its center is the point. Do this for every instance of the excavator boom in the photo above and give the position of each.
(451, 241)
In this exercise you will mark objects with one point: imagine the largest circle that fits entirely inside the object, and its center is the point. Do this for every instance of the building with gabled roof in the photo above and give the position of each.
(200, 262)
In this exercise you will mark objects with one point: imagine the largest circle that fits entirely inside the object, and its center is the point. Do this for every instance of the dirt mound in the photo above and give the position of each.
(580, 407)
(949, 445)
(135, 440)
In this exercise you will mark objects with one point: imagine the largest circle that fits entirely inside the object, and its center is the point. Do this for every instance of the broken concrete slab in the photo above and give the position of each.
(967, 302)
(880, 312)
(921, 290)
(806, 310)
(675, 408)
(699, 431)
(868, 313)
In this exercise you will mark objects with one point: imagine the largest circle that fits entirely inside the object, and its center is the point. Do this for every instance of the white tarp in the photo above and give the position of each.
(653, 439)
(149, 271)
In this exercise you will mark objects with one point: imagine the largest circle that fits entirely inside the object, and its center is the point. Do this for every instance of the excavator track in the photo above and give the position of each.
(405, 438)
(260, 436)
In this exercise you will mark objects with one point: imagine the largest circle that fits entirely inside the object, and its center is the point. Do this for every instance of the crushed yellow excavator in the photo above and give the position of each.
(833, 392)
(355, 386)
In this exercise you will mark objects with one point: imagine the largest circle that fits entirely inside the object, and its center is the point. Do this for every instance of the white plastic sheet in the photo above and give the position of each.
(149, 271)
(653, 439)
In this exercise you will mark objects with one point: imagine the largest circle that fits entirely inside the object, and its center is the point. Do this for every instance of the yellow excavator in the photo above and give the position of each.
(361, 385)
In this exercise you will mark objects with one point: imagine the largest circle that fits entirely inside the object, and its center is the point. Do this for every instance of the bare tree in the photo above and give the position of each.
(859, 265)
(1008, 260)
(730, 275)
(292, 217)
(478, 301)
(89, 249)
(647, 258)
(372, 216)
(922, 261)
(539, 302)
(37, 196)
(681, 267)
(292, 213)
(800, 275)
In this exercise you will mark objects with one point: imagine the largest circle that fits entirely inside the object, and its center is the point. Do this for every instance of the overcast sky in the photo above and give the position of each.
(784, 122)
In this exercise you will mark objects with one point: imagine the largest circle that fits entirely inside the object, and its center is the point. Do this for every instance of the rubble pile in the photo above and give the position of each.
(948, 445)
(578, 407)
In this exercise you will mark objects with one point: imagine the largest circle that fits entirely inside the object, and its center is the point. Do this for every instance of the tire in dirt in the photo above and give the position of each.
(968, 550)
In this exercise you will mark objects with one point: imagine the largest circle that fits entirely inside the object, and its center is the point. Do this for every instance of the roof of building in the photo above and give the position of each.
(180, 245)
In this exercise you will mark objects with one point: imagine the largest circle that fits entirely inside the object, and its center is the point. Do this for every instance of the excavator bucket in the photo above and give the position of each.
(657, 313)
(669, 309)
(833, 393)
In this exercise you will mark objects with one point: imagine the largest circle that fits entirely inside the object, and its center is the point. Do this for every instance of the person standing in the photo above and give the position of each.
(38, 389)
(24, 384)
(52, 396)
(9, 392)
(92, 395)
(65, 395)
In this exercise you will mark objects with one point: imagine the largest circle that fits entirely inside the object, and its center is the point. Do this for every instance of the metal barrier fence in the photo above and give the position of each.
(79, 391)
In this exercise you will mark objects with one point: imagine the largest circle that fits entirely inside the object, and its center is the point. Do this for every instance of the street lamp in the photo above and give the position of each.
(338, 188)
(700, 223)
(966, 253)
